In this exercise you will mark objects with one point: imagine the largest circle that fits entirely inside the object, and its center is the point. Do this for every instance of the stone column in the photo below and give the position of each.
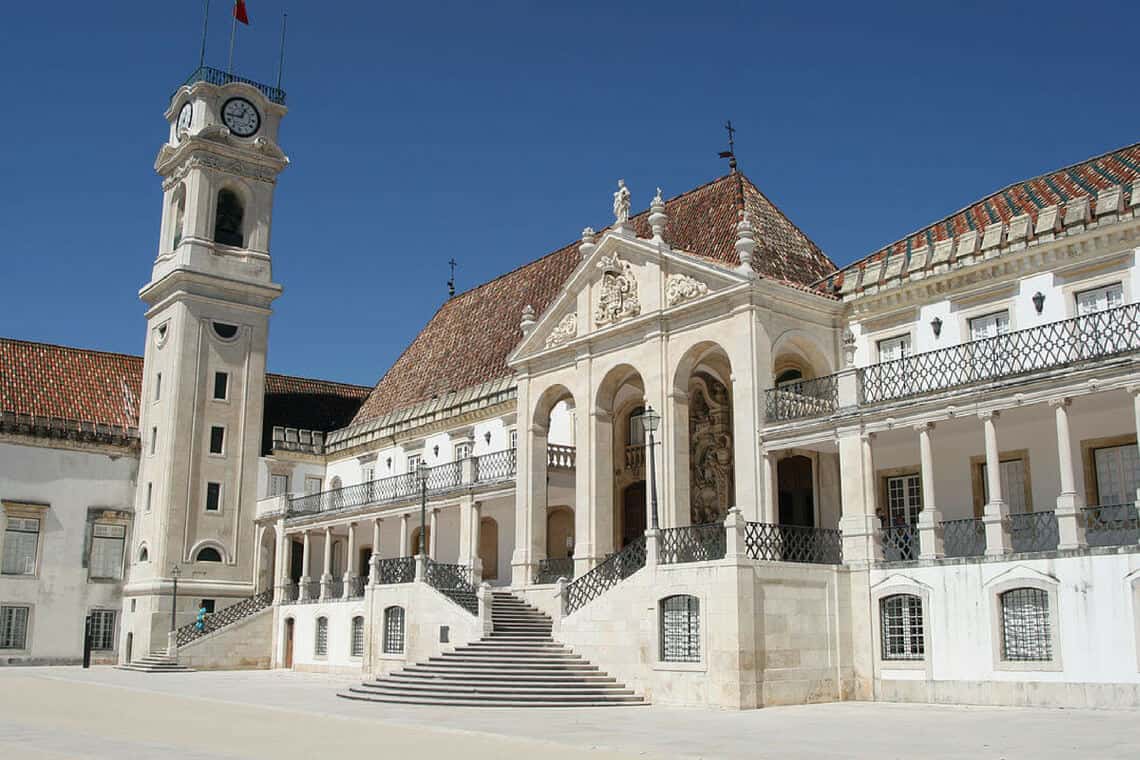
(676, 482)
(1070, 521)
(735, 546)
(350, 561)
(860, 526)
(476, 561)
(769, 506)
(405, 536)
(306, 579)
(583, 481)
(433, 533)
(259, 534)
(1135, 391)
(468, 548)
(747, 419)
(530, 503)
(996, 516)
(374, 560)
(326, 576)
(280, 568)
(930, 518)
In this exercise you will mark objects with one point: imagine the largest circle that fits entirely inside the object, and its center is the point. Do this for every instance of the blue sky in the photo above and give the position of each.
(494, 131)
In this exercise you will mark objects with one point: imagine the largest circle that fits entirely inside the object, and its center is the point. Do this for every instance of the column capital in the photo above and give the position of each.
(605, 415)
(1133, 389)
(1064, 401)
(988, 414)
(923, 427)
(538, 429)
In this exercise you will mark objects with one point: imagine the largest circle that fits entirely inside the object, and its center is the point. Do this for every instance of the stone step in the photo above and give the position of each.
(507, 659)
(494, 690)
(548, 678)
(476, 701)
(443, 671)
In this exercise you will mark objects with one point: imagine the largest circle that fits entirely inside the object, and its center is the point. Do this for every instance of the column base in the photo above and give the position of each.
(303, 588)
(930, 539)
(996, 521)
(1070, 522)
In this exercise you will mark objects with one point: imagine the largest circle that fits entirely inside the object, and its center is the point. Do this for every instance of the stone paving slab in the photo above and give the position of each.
(102, 712)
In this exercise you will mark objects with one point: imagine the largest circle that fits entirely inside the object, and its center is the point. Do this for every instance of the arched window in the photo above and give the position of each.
(228, 219)
(321, 642)
(394, 630)
(144, 555)
(680, 629)
(179, 215)
(1025, 626)
(357, 636)
(902, 627)
(208, 554)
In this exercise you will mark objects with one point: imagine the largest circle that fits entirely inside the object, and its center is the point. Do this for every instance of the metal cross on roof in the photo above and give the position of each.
(730, 154)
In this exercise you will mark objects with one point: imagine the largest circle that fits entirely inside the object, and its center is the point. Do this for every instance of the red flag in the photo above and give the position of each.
(239, 12)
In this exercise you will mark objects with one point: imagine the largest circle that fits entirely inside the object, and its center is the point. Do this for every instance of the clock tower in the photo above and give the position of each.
(208, 305)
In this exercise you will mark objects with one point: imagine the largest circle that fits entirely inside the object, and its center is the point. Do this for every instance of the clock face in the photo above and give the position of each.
(184, 117)
(241, 117)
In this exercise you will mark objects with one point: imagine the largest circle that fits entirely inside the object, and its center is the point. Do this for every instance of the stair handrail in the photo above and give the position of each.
(616, 568)
(224, 617)
(454, 582)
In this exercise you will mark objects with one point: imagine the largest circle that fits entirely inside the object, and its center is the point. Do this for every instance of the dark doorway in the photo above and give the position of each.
(364, 565)
(289, 642)
(632, 512)
(296, 559)
(130, 645)
(796, 491)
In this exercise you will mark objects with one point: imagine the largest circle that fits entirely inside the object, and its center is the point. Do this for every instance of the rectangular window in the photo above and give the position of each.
(102, 630)
(1025, 626)
(21, 541)
(357, 637)
(149, 494)
(1012, 485)
(462, 450)
(394, 630)
(414, 462)
(902, 628)
(312, 485)
(989, 325)
(1099, 299)
(681, 629)
(904, 499)
(213, 497)
(1117, 474)
(637, 428)
(221, 386)
(107, 543)
(368, 474)
(153, 439)
(321, 646)
(278, 485)
(217, 439)
(157, 386)
(14, 627)
(891, 349)
(207, 605)
(513, 437)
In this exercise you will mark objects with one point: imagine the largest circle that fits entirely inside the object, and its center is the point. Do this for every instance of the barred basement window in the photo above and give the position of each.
(103, 630)
(321, 648)
(680, 629)
(14, 627)
(357, 637)
(902, 627)
(394, 630)
(1025, 634)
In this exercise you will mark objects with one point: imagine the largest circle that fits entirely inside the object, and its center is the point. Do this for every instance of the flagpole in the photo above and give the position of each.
(233, 33)
(205, 23)
(281, 61)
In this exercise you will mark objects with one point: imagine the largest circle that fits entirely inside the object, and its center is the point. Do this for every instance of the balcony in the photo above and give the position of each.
(219, 77)
(1069, 343)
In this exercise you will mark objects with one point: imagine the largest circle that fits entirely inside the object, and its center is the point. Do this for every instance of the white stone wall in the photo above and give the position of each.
(244, 645)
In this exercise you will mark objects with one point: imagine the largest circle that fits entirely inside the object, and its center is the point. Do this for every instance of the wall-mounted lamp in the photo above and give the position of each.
(936, 325)
(389, 463)
(487, 437)
(1039, 301)
(435, 451)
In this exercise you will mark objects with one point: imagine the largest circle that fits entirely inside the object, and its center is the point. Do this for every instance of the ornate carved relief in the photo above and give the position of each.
(218, 163)
(680, 288)
(710, 449)
(618, 298)
(566, 329)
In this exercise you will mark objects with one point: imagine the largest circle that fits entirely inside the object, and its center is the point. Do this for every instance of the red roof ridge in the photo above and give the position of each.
(70, 348)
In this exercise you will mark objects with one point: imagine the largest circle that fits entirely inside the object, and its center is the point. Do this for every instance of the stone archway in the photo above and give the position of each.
(703, 435)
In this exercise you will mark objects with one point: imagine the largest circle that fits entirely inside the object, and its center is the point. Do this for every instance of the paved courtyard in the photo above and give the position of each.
(105, 713)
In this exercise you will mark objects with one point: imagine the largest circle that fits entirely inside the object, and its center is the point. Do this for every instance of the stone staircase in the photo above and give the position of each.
(518, 665)
(155, 662)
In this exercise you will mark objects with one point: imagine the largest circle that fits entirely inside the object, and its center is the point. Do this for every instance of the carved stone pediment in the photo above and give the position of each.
(681, 287)
(566, 329)
(617, 297)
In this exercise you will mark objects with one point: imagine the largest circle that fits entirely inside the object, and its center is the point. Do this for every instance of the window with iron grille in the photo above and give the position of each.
(1025, 627)
(21, 540)
(103, 630)
(394, 630)
(902, 627)
(14, 627)
(107, 551)
(321, 647)
(358, 636)
(680, 629)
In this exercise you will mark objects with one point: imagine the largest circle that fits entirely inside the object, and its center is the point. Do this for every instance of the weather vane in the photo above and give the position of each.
(451, 281)
(730, 154)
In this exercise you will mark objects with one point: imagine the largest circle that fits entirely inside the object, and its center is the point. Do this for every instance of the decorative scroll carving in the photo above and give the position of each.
(681, 287)
(218, 163)
(566, 329)
(618, 298)
(710, 449)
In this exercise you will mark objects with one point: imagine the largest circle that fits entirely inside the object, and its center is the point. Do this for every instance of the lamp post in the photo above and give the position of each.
(174, 573)
(422, 474)
(651, 420)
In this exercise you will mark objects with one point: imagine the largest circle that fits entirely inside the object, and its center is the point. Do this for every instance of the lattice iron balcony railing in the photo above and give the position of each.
(805, 398)
(615, 568)
(454, 582)
(309, 593)
(1100, 335)
(356, 587)
(900, 543)
(219, 77)
(500, 465)
(691, 543)
(396, 570)
(1112, 525)
(1034, 532)
(224, 617)
(793, 543)
(550, 570)
(963, 538)
(289, 593)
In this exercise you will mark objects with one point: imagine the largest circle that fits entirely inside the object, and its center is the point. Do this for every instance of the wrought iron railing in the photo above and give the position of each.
(635, 457)
(616, 568)
(356, 586)
(219, 77)
(499, 465)
(454, 582)
(334, 589)
(550, 570)
(963, 538)
(289, 592)
(805, 398)
(224, 617)
(1112, 525)
(900, 543)
(1099, 335)
(309, 592)
(395, 570)
(692, 543)
(1034, 531)
(793, 543)
(559, 457)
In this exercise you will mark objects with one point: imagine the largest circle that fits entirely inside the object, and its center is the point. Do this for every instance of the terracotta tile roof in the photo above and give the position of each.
(1119, 167)
(45, 380)
(468, 340)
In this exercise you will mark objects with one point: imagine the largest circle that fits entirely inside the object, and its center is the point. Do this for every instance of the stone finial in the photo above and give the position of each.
(587, 245)
(848, 348)
(657, 217)
(528, 320)
(745, 243)
(621, 206)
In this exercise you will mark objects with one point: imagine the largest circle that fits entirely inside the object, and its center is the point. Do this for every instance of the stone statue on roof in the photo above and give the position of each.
(621, 204)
